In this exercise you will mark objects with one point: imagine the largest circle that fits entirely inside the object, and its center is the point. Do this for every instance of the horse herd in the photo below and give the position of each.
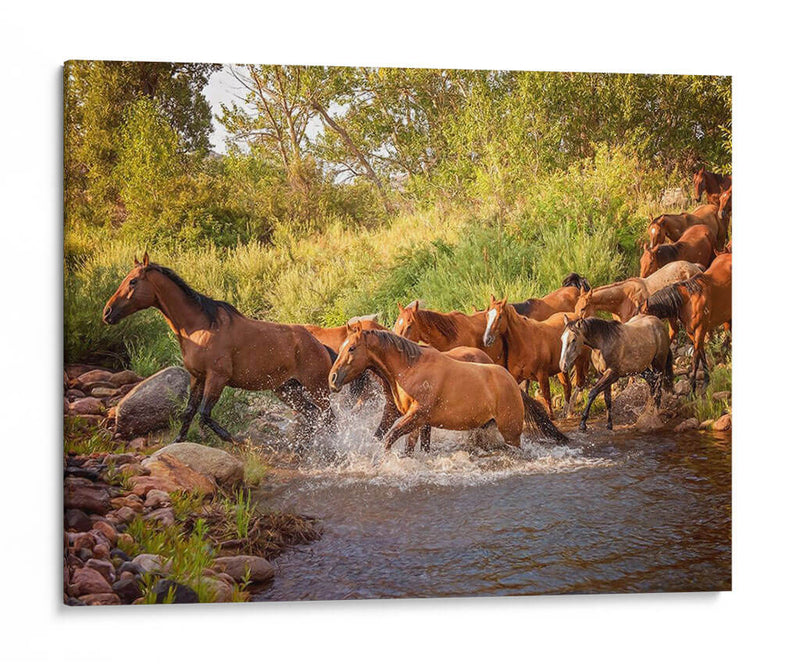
(456, 370)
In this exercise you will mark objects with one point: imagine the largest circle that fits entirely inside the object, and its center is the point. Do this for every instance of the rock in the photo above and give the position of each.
(100, 599)
(119, 554)
(130, 500)
(73, 601)
(81, 540)
(178, 473)
(73, 394)
(725, 395)
(124, 378)
(144, 484)
(182, 594)
(131, 567)
(157, 498)
(164, 515)
(95, 376)
(124, 539)
(104, 567)
(84, 553)
(124, 514)
(138, 444)
(217, 464)
(682, 387)
(77, 520)
(87, 406)
(723, 423)
(104, 392)
(154, 402)
(128, 590)
(260, 570)
(152, 563)
(106, 530)
(688, 425)
(649, 420)
(87, 581)
(91, 498)
(219, 589)
(101, 551)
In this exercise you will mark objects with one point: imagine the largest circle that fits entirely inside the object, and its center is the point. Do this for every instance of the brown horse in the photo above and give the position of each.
(695, 245)
(533, 348)
(672, 226)
(445, 331)
(640, 346)
(432, 389)
(726, 207)
(221, 346)
(562, 299)
(711, 183)
(701, 303)
(333, 337)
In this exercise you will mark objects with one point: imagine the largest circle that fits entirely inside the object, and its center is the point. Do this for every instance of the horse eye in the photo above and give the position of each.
(133, 282)
(351, 349)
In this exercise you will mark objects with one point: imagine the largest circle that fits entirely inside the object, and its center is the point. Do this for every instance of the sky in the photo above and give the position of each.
(222, 88)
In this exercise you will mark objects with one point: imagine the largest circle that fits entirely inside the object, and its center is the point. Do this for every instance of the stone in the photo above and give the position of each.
(94, 376)
(154, 402)
(260, 570)
(104, 567)
(164, 515)
(219, 589)
(138, 444)
(84, 553)
(103, 391)
(648, 420)
(725, 395)
(688, 425)
(157, 498)
(73, 601)
(130, 500)
(87, 581)
(81, 540)
(131, 568)
(124, 378)
(73, 394)
(182, 476)
(119, 554)
(152, 563)
(682, 387)
(182, 594)
(87, 406)
(120, 460)
(223, 468)
(77, 520)
(90, 498)
(144, 484)
(107, 530)
(100, 599)
(124, 539)
(101, 551)
(124, 514)
(128, 590)
(723, 423)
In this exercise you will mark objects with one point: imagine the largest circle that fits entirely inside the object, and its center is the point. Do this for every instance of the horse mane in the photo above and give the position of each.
(441, 322)
(576, 281)
(209, 306)
(523, 308)
(598, 329)
(391, 341)
(667, 302)
(670, 252)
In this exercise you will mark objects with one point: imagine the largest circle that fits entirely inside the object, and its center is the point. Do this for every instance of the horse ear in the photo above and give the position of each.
(504, 301)
(136, 262)
(566, 320)
(415, 306)
(400, 307)
(357, 328)
(491, 299)
(145, 260)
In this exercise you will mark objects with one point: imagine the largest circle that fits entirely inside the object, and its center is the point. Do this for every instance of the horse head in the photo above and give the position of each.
(352, 359)
(648, 263)
(133, 294)
(406, 324)
(584, 303)
(572, 340)
(496, 320)
(699, 183)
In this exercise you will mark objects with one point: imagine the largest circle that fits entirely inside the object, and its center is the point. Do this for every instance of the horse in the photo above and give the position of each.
(701, 303)
(432, 389)
(695, 245)
(672, 226)
(532, 348)
(222, 347)
(711, 183)
(562, 299)
(640, 346)
(445, 331)
(725, 207)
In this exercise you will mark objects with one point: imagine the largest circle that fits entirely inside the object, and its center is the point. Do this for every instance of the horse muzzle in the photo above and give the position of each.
(334, 384)
(488, 339)
(110, 317)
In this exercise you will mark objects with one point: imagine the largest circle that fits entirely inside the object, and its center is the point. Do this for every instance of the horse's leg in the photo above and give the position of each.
(673, 329)
(195, 394)
(406, 424)
(212, 390)
(291, 393)
(607, 398)
(606, 380)
(566, 385)
(425, 438)
(544, 386)
(411, 442)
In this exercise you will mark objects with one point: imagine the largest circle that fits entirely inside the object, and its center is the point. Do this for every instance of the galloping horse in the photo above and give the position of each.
(701, 303)
(562, 299)
(221, 346)
(640, 346)
(532, 347)
(432, 389)
(695, 245)
(711, 183)
(445, 331)
(672, 226)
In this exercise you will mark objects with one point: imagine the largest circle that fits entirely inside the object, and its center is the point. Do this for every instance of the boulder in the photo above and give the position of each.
(184, 478)
(89, 498)
(260, 570)
(94, 376)
(106, 530)
(87, 581)
(154, 402)
(126, 377)
(87, 406)
(156, 498)
(77, 520)
(182, 594)
(219, 589)
(164, 515)
(688, 425)
(649, 420)
(723, 423)
(223, 468)
(104, 567)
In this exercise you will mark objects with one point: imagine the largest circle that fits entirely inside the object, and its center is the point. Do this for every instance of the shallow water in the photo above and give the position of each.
(611, 512)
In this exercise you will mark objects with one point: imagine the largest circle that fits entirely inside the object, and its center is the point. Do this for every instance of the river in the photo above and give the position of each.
(610, 512)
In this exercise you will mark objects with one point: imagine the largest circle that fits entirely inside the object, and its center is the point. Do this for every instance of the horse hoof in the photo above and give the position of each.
(609, 426)
(582, 426)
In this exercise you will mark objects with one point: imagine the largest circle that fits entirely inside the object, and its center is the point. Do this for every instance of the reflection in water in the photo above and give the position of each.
(613, 512)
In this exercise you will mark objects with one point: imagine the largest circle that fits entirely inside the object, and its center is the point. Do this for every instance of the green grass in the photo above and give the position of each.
(85, 438)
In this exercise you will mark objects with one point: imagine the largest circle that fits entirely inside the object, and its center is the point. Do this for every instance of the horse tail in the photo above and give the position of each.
(577, 281)
(536, 415)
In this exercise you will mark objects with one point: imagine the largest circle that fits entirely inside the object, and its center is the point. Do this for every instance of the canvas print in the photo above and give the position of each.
(347, 333)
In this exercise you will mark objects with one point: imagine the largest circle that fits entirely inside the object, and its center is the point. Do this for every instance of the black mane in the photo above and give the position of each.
(667, 302)
(208, 306)
(598, 330)
(577, 281)
(441, 322)
(667, 253)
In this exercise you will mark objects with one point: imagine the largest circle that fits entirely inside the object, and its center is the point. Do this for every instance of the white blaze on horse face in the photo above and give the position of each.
(564, 342)
(490, 318)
